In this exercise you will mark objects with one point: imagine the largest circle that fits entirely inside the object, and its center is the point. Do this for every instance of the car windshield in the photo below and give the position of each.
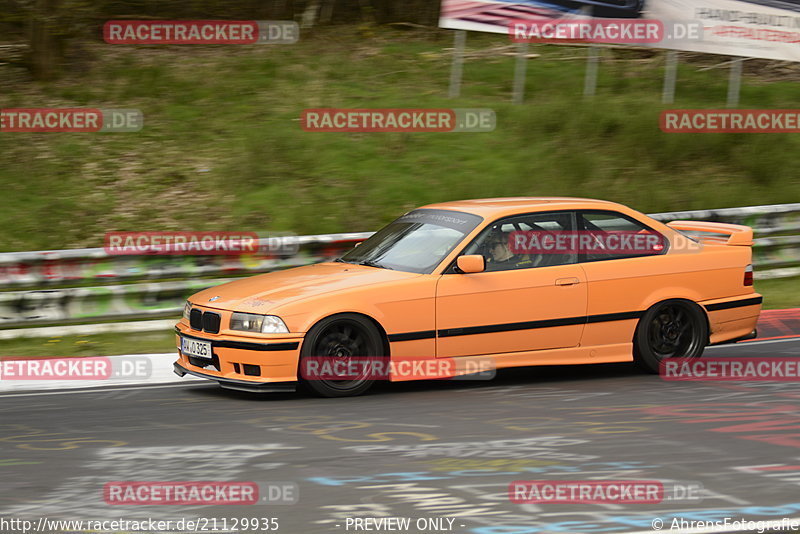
(416, 242)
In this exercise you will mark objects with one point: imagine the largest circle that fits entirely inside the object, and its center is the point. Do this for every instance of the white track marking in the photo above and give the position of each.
(193, 383)
(160, 366)
(749, 343)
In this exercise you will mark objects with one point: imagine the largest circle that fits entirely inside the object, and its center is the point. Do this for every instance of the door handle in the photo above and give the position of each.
(567, 281)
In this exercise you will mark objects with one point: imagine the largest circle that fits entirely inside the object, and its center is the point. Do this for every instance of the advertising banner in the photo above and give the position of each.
(768, 29)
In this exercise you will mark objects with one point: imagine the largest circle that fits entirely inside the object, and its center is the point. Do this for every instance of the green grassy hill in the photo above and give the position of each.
(222, 146)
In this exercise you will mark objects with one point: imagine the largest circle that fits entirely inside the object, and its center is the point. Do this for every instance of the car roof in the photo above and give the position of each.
(498, 207)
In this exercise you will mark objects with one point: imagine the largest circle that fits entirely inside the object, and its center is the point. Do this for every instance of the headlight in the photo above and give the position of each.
(251, 322)
(186, 309)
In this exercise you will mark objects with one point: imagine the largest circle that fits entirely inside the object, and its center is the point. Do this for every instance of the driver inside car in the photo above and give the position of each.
(500, 257)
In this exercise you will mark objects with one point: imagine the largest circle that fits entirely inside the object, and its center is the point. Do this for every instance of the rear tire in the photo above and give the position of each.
(341, 336)
(670, 329)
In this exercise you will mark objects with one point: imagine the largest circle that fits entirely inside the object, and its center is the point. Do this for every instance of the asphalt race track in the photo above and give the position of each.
(419, 450)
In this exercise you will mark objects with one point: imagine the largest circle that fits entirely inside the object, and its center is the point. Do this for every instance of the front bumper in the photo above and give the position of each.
(240, 385)
(244, 363)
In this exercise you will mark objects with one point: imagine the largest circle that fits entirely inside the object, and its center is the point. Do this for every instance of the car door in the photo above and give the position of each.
(532, 306)
(621, 282)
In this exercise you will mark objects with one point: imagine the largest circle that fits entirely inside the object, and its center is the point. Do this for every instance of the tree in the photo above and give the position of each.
(46, 44)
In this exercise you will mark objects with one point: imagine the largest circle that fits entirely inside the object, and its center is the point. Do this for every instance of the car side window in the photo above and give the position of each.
(617, 236)
(504, 244)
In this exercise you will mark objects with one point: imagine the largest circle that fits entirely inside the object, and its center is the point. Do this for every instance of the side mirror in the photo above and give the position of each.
(473, 263)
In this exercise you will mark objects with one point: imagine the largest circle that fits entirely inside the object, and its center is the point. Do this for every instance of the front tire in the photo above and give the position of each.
(343, 336)
(670, 329)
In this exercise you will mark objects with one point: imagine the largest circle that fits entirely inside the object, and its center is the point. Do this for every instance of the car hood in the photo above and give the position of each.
(262, 293)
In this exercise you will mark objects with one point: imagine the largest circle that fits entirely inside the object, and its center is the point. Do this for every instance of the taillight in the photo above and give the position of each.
(748, 275)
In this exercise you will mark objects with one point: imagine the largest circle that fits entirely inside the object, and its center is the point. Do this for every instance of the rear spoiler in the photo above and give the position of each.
(738, 235)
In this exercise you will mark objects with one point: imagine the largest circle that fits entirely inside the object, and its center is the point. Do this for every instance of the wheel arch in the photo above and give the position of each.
(378, 326)
(687, 300)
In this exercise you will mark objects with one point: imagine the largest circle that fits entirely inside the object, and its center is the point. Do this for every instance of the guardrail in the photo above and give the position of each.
(50, 278)
(89, 285)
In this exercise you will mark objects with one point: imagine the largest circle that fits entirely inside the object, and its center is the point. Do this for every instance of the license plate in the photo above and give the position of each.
(196, 348)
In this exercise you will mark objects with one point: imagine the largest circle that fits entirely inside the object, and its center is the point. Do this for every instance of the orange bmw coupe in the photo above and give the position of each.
(521, 281)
